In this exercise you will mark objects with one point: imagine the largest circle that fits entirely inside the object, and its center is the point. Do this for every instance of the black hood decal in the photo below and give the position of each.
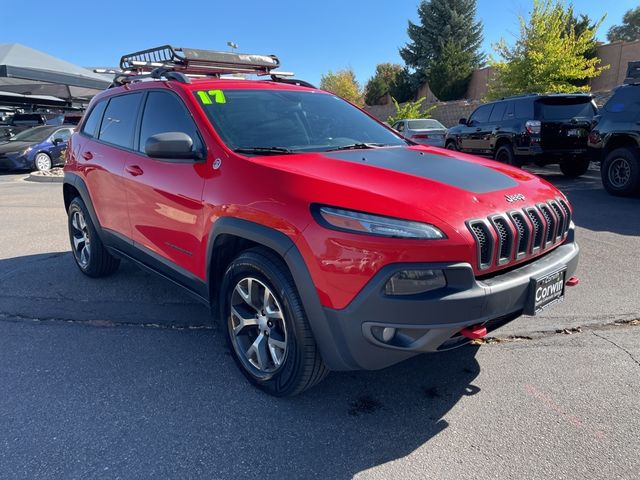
(440, 168)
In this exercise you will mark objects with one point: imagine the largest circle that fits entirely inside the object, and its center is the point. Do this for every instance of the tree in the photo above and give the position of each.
(630, 28)
(447, 28)
(405, 86)
(342, 83)
(580, 25)
(381, 82)
(409, 110)
(547, 57)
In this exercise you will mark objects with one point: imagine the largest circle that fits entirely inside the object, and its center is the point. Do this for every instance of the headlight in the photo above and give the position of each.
(377, 225)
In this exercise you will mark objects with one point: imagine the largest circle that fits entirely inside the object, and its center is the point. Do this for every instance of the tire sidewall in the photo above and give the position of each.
(78, 205)
(632, 157)
(575, 168)
(508, 151)
(252, 265)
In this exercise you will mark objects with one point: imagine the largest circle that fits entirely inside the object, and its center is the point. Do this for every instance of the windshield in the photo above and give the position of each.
(37, 134)
(565, 108)
(290, 120)
(425, 124)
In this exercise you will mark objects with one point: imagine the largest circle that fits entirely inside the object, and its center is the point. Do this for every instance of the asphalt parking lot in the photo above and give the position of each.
(126, 377)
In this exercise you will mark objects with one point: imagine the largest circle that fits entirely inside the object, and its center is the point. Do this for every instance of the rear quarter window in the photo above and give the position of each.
(90, 126)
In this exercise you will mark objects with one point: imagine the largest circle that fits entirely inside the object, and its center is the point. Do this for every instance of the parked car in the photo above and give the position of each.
(24, 121)
(615, 141)
(426, 131)
(324, 239)
(540, 129)
(6, 132)
(38, 148)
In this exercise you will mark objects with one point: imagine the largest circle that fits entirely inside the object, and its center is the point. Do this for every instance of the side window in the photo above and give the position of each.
(119, 120)
(399, 126)
(524, 109)
(624, 100)
(63, 134)
(165, 112)
(510, 113)
(498, 112)
(95, 115)
(482, 114)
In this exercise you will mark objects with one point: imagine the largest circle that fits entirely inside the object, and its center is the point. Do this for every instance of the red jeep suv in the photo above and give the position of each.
(324, 239)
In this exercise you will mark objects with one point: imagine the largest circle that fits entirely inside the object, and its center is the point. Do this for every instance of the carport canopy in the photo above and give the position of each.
(27, 71)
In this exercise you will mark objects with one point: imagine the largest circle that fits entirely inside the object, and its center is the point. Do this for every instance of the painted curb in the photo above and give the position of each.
(44, 178)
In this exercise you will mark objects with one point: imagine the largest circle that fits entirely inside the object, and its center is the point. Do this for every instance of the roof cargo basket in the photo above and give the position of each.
(633, 73)
(198, 62)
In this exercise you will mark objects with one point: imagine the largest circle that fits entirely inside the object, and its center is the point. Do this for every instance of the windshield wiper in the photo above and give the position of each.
(356, 146)
(264, 150)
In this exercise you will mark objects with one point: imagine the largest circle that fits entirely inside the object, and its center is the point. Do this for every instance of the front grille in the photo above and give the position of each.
(501, 239)
(484, 242)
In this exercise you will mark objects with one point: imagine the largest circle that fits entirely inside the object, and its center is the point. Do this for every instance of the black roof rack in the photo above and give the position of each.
(198, 62)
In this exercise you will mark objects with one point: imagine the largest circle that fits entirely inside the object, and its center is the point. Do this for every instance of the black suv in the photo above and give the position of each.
(615, 140)
(540, 129)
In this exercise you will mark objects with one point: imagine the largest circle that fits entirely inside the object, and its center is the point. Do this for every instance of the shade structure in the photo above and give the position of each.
(26, 71)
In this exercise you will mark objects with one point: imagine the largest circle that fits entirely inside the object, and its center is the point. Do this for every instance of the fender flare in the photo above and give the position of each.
(288, 251)
(77, 182)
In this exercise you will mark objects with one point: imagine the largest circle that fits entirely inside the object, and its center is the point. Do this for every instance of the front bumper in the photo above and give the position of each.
(14, 161)
(432, 321)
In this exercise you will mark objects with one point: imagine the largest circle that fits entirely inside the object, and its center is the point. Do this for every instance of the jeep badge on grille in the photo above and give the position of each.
(514, 198)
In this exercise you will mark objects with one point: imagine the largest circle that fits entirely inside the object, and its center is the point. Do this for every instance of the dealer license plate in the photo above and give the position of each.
(576, 132)
(545, 291)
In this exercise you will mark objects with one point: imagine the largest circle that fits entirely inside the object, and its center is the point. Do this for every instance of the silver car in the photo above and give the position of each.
(422, 130)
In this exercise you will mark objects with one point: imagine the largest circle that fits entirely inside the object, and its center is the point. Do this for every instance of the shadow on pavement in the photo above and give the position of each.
(50, 286)
(133, 402)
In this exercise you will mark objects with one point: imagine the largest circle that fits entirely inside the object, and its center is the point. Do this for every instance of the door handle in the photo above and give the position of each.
(87, 155)
(134, 170)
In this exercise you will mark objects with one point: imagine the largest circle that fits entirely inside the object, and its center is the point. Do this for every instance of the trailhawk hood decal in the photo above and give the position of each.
(462, 174)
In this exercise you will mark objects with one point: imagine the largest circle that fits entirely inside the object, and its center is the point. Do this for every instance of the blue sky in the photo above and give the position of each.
(309, 37)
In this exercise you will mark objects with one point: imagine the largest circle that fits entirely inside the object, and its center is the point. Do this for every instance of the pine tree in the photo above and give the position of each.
(447, 30)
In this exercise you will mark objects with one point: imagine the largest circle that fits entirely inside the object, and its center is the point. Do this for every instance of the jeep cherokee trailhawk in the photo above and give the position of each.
(324, 239)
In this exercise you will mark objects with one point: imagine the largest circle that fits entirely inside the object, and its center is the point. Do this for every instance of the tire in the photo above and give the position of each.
(505, 154)
(620, 172)
(290, 361)
(42, 162)
(575, 168)
(451, 145)
(89, 253)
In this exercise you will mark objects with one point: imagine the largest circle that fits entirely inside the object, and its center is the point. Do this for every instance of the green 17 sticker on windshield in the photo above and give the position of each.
(207, 97)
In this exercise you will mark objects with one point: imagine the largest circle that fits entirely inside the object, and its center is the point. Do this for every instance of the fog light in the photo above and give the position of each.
(384, 334)
(412, 282)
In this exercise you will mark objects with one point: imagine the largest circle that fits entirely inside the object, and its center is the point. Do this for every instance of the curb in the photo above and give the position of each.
(44, 178)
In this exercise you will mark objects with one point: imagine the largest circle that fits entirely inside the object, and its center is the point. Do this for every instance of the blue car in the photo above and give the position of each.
(38, 148)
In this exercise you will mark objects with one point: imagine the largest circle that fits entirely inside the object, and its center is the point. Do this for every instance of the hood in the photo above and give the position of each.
(9, 147)
(417, 183)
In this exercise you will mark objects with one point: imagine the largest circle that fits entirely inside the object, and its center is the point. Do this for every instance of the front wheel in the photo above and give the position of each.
(42, 162)
(451, 145)
(620, 172)
(575, 168)
(266, 326)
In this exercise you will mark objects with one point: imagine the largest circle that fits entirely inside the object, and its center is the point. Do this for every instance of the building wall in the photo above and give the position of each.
(617, 55)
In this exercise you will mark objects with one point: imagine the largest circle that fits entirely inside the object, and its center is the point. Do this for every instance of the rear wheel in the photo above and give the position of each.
(575, 168)
(620, 172)
(266, 326)
(91, 256)
(505, 154)
(451, 145)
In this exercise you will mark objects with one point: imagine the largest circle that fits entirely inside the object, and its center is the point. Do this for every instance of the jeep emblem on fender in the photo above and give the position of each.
(514, 198)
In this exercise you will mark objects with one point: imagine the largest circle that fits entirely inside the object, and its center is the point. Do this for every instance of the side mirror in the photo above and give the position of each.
(171, 145)
(462, 121)
(58, 141)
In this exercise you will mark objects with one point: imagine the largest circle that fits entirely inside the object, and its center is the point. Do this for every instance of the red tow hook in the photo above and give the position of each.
(573, 281)
(474, 332)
